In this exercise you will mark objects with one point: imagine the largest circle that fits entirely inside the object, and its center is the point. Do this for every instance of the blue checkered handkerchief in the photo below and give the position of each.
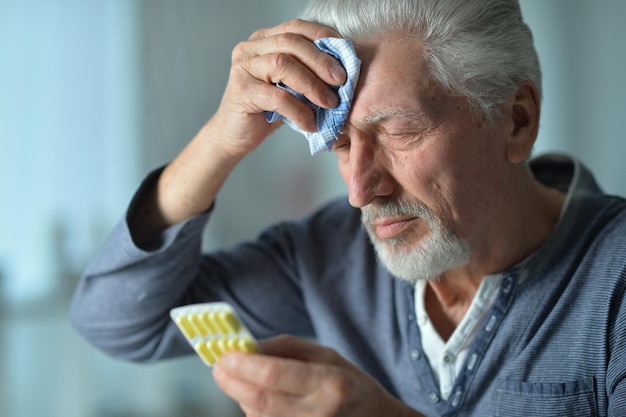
(329, 121)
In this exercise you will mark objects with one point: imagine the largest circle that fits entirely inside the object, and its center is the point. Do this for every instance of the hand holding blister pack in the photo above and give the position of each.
(213, 329)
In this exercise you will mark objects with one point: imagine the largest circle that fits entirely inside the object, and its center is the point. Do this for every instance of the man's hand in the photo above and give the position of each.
(284, 53)
(296, 378)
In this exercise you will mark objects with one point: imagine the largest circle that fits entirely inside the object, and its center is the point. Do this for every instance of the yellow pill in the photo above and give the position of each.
(215, 319)
(232, 344)
(199, 326)
(205, 353)
(247, 345)
(208, 323)
(223, 345)
(187, 328)
(229, 321)
(215, 349)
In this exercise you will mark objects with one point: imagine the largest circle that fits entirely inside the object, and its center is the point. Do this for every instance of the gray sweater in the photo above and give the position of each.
(552, 344)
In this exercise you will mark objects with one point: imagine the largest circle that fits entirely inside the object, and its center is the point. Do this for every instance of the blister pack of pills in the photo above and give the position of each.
(213, 329)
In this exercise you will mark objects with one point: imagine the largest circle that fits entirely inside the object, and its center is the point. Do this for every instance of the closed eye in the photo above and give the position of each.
(342, 142)
(400, 140)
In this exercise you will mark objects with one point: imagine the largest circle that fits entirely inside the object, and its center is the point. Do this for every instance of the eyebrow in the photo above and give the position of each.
(399, 113)
(380, 116)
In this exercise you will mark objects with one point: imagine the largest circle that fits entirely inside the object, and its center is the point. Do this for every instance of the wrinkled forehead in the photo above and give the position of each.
(394, 81)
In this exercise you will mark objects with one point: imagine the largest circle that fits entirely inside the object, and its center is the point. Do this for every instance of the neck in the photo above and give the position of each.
(447, 301)
(525, 223)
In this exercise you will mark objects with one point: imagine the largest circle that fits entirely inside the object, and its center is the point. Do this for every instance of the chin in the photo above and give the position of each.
(426, 259)
(415, 256)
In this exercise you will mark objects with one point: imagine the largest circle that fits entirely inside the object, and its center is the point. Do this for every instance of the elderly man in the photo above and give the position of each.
(457, 279)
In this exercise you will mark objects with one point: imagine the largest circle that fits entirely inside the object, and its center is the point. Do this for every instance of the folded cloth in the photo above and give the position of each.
(329, 121)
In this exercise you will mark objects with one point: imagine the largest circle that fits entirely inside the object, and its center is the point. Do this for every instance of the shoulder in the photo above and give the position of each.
(601, 220)
(596, 246)
(588, 245)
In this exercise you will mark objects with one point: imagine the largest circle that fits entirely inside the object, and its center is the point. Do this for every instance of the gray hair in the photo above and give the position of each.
(479, 49)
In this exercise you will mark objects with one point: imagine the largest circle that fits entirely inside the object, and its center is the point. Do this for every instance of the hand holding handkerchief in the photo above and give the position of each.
(330, 122)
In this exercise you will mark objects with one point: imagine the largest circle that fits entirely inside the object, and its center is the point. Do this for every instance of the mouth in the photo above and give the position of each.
(390, 228)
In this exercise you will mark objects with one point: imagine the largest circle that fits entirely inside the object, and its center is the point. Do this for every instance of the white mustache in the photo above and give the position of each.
(394, 209)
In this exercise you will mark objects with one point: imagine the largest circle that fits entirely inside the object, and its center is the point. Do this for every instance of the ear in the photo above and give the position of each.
(524, 113)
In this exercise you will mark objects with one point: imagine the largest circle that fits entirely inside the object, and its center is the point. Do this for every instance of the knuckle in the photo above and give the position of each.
(323, 31)
(258, 34)
(283, 40)
(259, 402)
(281, 62)
(278, 96)
(238, 51)
(336, 385)
(340, 394)
(270, 375)
(293, 24)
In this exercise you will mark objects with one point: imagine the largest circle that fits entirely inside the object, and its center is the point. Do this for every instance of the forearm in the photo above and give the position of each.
(187, 186)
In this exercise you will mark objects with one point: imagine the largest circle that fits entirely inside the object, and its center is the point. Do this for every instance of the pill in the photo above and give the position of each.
(213, 329)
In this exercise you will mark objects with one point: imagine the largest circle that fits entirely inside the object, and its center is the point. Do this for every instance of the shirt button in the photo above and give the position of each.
(507, 284)
(415, 354)
(433, 397)
(447, 358)
(457, 398)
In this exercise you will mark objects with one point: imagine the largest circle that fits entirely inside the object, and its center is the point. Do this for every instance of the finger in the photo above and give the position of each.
(284, 68)
(290, 347)
(268, 97)
(277, 386)
(321, 64)
(310, 30)
(282, 375)
(295, 348)
(256, 399)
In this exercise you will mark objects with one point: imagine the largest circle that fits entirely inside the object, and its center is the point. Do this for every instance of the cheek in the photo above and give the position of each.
(424, 179)
(472, 187)
(447, 182)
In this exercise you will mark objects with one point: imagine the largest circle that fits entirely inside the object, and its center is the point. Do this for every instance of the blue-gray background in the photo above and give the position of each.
(94, 94)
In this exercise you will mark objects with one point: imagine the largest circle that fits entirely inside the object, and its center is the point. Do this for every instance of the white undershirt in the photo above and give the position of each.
(446, 358)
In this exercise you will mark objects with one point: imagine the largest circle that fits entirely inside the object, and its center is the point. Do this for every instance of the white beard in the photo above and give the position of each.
(435, 253)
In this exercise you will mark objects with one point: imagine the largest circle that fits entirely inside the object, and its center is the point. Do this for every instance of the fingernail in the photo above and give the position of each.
(338, 73)
(332, 99)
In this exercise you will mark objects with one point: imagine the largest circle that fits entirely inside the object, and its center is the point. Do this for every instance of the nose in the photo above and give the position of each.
(367, 173)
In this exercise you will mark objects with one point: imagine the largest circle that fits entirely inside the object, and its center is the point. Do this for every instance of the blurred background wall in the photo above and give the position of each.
(94, 94)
